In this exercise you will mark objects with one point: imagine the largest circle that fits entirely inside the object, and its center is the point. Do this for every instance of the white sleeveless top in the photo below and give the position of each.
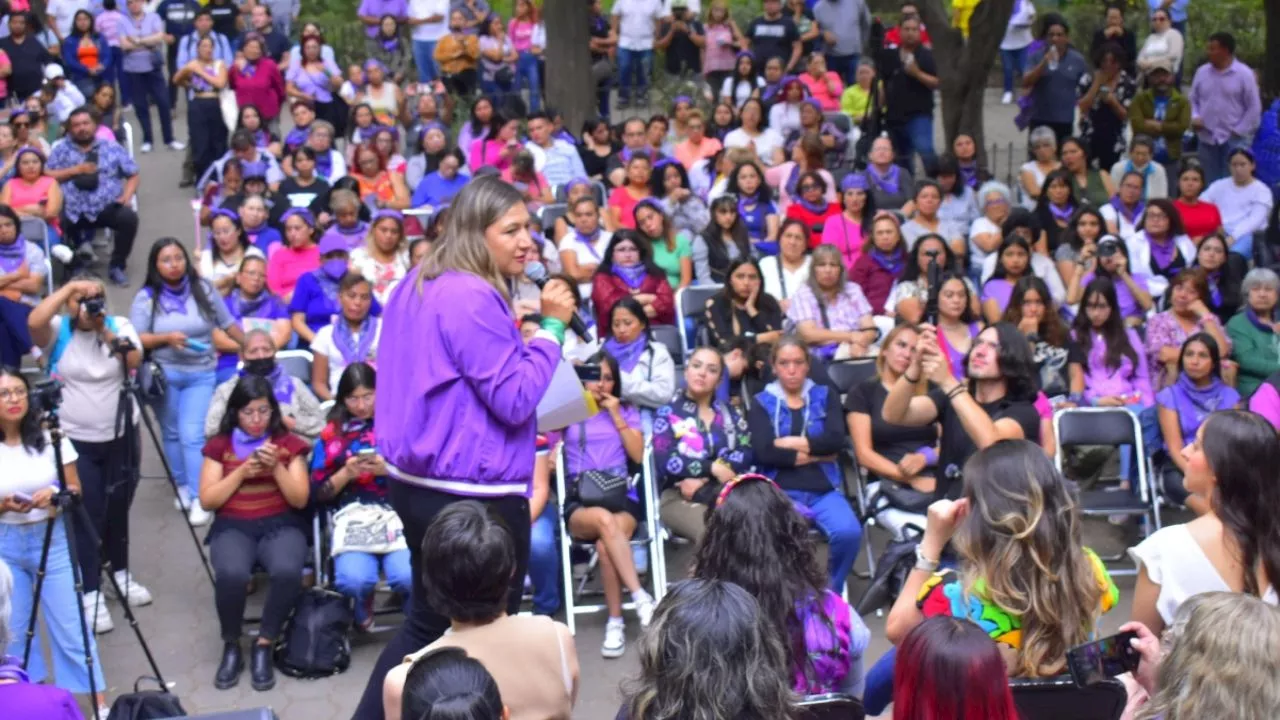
(1176, 562)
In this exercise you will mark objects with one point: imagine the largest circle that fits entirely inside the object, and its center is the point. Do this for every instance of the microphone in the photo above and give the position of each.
(537, 273)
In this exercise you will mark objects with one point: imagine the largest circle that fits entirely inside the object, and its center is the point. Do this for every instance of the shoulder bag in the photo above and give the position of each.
(600, 488)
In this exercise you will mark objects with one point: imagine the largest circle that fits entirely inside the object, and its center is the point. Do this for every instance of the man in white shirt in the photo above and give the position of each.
(557, 160)
(61, 13)
(635, 23)
(429, 20)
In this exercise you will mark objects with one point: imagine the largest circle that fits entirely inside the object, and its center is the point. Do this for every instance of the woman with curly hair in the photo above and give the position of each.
(710, 653)
(757, 540)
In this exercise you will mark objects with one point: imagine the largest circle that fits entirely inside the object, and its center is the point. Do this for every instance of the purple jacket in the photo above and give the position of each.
(458, 390)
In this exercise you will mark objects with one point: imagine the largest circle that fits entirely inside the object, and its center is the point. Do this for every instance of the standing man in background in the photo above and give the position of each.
(226, 18)
(774, 35)
(635, 24)
(910, 77)
(283, 15)
(845, 26)
(1225, 107)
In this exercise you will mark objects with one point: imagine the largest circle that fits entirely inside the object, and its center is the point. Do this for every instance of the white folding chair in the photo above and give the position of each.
(646, 535)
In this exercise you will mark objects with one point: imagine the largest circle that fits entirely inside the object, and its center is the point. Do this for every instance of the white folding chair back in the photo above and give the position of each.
(646, 535)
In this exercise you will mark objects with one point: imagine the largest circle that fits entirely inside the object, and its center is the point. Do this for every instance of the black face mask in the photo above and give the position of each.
(261, 367)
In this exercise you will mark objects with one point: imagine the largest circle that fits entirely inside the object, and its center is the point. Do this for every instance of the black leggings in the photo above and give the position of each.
(417, 507)
(107, 485)
(234, 552)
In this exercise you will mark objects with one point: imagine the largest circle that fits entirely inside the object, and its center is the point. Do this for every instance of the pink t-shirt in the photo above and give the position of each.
(521, 35)
(108, 25)
(846, 236)
(720, 55)
(626, 203)
(21, 195)
(286, 265)
(819, 91)
(487, 152)
(4, 82)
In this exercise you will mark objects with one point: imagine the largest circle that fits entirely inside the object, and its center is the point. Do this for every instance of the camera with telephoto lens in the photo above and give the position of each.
(46, 396)
(95, 306)
(934, 273)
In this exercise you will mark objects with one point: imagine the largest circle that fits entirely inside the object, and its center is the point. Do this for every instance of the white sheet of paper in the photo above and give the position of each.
(565, 402)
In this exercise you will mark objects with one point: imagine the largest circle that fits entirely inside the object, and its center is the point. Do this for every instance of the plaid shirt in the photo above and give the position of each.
(114, 167)
(845, 313)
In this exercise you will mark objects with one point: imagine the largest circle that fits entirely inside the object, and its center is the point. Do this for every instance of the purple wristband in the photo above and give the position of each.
(930, 455)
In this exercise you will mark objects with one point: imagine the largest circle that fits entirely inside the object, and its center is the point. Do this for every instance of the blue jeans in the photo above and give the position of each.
(915, 136)
(879, 691)
(1214, 156)
(424, 59)
(115, 75)
(1012, 62)
(1128, 471)
(846, 66)
(834, 517)
(182, 423)
(544, 560)
(59, 607)
(145, 88)
(527, 73)
(355, 574)
(637, 64)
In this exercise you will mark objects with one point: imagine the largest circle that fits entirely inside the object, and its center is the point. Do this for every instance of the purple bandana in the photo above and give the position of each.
(1257, 321)
(1062, 214)
(1131, 216)
(969, 174)
(888, 182)
(353, 350)
(174, 300)
(589, 242)
(246, 307)
(1215, 291)
(633, 275)
(818, 208)
(627, 354)
(243, 444)
(1195, 402)
(11, 669)
(281, 384)
(297, 137)
(13, 254)
(1162, 252)
(894, 263)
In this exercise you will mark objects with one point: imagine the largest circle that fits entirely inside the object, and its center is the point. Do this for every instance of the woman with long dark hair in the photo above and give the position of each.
(27, 520)
(672, 249)
(669, 184)
(1013, 262)
(1032, 310)
(1079, 246)
(627, 270)
(722, 242)
(1110, 261)
(1225, 272)
(646, 372)
(757, 540)
(1055, 208)
(910, 293)
(1234, 545)
(1160, 247)
(1189, 313)
(742, 309)
(175, 314)
(949, 668)
(849, 229)
(316, 79)
(254, 479)
(755, 205)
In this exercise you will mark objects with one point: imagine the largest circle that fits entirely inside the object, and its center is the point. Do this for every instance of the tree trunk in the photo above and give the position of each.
(570, 88)
(1271, 64)
(964, 65)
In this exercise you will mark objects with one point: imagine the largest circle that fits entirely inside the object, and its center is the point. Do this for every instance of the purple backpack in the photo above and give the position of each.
(827, 643)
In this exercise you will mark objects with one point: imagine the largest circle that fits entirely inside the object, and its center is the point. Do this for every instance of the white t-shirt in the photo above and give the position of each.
(64, 12)
(739, 92)
(637, 23)
(766, 143)
(1176, 562)
(585, 254)
(780, 282)
(91, 379)
(980, 226)
(323, 345)
(29, 473)
(1124, 228)
(214, 270)
(431, 31)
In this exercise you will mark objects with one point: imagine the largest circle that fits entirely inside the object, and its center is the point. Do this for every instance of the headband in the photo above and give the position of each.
(25, 149)
(854, 181)
(303, 213)
(231, 215)
(372, 63)
(745, 477)
(389, 213)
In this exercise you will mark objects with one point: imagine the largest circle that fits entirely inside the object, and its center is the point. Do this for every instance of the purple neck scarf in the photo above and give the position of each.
(1162, 252)
(1215, 291)
(818, 208)
(894, 263)
(1062, 215)
(888, 182)
(969, 174)
(1257, 321)
(11, 669)
(1195, 403)
(324, 163)
(632, 275)
(390, 43)
(247, 307)
(281, 384)
(13, 254)
(1131, 216)
(297, 137)
(627, 354)
(262, 138)
(589, 242)
(353, 350)
(174, 300)
(792, 179)
(243, 444)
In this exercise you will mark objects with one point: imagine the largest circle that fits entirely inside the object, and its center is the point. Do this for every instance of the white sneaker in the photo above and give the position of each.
(145, 147)
(198, 516)
(135, 593)
(644, 608)
(96, 612)
(177, 145)
(1006, 98)
(615, 638)
(183, 501)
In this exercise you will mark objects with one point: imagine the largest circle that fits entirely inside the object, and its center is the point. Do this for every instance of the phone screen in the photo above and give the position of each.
(1102, 659)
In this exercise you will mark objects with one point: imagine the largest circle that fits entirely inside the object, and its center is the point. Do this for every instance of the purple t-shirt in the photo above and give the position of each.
(144, 59)
(31, 700)
(998, 289)
(398, 9)
(603, 451)
(1128, 306)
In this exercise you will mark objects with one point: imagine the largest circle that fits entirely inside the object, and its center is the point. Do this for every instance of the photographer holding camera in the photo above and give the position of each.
(28, 487)
(83, 348)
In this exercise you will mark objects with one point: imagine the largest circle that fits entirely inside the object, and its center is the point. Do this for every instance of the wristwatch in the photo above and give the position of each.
(923, 563)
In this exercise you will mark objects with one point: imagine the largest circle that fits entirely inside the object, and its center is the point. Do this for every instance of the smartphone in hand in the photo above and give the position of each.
(1103, 659)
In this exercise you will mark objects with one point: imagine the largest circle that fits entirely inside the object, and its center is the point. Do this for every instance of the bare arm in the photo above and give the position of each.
(1145, 594)
(320, 377)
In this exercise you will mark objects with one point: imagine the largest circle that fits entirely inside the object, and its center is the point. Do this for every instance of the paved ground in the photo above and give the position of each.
(181, 626)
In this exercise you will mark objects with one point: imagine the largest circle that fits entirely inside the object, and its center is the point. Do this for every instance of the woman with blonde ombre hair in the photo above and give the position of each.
(383, 259)
(1024, 574)
(1219, 659)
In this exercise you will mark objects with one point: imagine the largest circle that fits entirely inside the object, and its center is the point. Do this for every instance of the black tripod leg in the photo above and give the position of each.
(111, 578)
(168, 473)
(35, 599)
(79, 585)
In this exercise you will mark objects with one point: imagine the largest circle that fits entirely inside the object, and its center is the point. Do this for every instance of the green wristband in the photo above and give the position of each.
(555, 327)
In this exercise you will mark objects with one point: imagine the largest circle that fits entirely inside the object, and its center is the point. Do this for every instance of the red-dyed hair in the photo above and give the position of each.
(949, 669)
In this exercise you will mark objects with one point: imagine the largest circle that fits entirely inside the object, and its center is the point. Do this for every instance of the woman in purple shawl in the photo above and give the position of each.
(351, 337)
(1184, 406)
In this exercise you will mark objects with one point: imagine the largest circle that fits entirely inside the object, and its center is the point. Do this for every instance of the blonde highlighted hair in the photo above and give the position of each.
(461, 245)
(1222, 660)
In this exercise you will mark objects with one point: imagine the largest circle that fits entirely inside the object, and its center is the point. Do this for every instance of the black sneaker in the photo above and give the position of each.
(261, 669)
(230, 668)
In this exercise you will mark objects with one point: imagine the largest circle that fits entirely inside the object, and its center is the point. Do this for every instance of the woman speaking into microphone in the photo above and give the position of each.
(457, 391)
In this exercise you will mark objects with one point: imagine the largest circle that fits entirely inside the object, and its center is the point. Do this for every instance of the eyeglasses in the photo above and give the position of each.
(14, 394)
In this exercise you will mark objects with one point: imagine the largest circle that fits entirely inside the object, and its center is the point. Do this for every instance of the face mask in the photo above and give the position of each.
(261, 367)
(334, 268)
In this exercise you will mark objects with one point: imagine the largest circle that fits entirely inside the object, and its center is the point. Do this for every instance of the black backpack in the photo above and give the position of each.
(146, 704)
(314, 643)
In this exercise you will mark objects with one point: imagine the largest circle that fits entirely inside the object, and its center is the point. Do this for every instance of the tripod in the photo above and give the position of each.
(64, 498)
(131, 393)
